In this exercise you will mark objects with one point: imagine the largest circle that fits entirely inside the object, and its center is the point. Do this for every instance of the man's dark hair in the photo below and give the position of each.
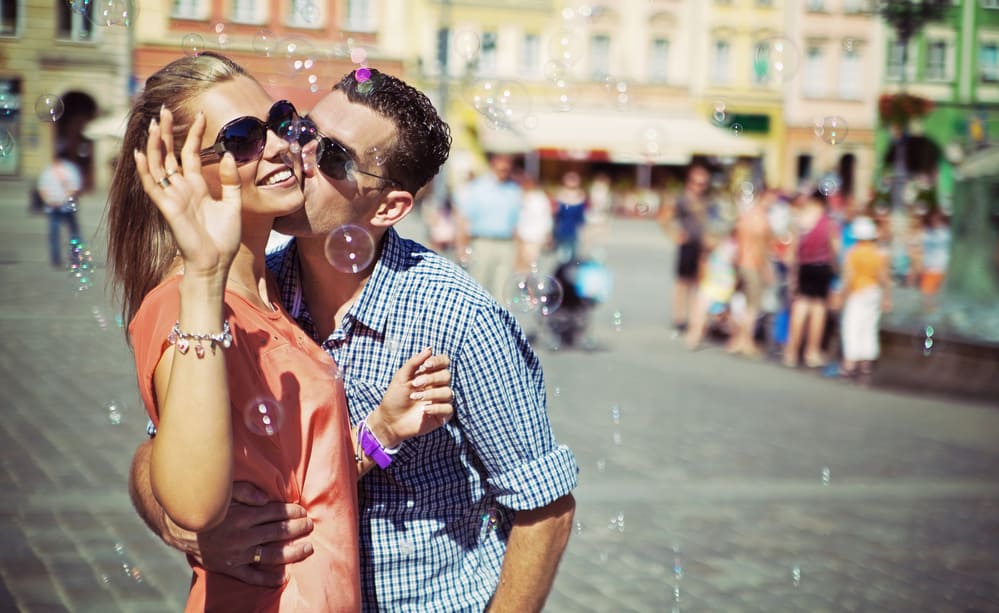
(423, 138)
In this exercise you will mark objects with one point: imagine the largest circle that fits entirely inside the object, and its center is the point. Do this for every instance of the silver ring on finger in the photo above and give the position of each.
(164, 182)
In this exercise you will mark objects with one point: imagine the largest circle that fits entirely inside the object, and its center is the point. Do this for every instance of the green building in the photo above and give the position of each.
(955, 63)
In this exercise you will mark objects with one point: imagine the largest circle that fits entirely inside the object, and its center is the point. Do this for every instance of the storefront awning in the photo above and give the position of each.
(622, 137)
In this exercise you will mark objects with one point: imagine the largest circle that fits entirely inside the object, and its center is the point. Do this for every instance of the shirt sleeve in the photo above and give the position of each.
(148, 332)
(500, 384)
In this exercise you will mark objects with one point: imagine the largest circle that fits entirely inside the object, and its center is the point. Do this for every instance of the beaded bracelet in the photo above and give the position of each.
(183, 339)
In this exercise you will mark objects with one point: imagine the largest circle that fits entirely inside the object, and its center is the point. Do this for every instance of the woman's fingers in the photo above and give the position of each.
(166, 132)
(154, 145)
(142, 167)
(229, 177)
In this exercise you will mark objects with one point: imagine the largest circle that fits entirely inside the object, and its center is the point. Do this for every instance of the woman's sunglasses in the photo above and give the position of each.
(334, 161)
(246, 137)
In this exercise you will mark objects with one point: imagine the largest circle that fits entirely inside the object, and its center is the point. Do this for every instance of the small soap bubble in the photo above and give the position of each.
(677, 569)
(928, 344)
(775, 59)
(737, 129)
(114, 416)
(849, 44)
(358, 55)
(554, 71)
(558, 391)
(49, 107)
(563, 96)
(720, 114)
(601, 465)
(7, 142)
(652, 142)
(263, 416)
(309, 12)
(617, 522)
(795, 576)
(105, 579)
(8, 104)
(617, 321)
(136, 574)
(834, 129)
(826, 475)
(466, 45)
(192, 44)
(578, 528)
(490, 519)
(350, 249)
(617, 437)
(929, 331)
(829, 186)
(113, 12)
(264, 42)
(565, 47)
(119, 549)
(616, 414)
(546, 293)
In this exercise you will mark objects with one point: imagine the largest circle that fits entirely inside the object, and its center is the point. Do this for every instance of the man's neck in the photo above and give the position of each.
(328, 292)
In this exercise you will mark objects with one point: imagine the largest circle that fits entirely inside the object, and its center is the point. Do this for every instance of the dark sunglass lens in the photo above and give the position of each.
(306, 131)
(244, 139)
(333, 159)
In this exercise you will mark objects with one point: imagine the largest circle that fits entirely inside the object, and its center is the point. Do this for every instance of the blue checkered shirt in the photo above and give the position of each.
(434, 525)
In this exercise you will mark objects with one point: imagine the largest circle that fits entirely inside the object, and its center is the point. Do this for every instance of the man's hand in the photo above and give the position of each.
(275, 528)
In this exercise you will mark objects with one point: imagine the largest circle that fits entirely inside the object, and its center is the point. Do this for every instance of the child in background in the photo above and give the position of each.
(936, 255)
(866, 281)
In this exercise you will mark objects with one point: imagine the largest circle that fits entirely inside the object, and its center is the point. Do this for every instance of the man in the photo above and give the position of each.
(488, 208)
(686, 227)
(59, 185)
(473, 516)
(755, 268)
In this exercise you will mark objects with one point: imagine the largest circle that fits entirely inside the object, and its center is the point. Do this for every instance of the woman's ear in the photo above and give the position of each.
(397, 204)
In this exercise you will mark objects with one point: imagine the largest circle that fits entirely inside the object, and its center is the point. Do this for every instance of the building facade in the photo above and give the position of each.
(61, 65)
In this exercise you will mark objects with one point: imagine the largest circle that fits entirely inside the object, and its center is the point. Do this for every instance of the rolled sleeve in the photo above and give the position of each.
(500, 400)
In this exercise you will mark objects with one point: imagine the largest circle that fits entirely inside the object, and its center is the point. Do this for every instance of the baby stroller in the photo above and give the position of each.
(585, 284)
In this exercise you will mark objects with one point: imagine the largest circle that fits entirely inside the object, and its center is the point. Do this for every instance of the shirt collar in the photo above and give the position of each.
(378, 298)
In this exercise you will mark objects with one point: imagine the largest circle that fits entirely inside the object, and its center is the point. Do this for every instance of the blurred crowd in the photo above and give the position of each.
(802, 276)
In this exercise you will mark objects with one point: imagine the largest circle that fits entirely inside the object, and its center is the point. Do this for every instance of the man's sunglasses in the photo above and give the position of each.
(246, 137)
(335, 161)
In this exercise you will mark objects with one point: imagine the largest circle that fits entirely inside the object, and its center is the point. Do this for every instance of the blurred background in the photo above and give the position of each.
(711, 481)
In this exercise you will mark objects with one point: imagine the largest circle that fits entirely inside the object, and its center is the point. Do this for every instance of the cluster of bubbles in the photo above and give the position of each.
(928, 341)
(721, 118)
(533, 292)
(263, 416)
(350, 249)
(506, 104)
(106, 13)
(81, 264)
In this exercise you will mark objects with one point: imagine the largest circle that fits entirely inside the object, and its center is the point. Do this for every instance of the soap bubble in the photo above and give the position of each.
(719, 114)
(775, 59)
(565, 47)
(113, 412)
(533, 292)
(7, 142)
(737, 129)
(113, 12)
(358, 55)
(350, 248)
(264, 42)
(834, 129)
(192, 44)
(263, 416)
(466, 45)
(49, 107)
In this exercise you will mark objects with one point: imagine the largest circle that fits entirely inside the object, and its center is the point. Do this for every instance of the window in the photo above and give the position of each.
(896, 60)
(988, 62)
(10, 120)
(360, 15)
(190, 9)
(850, 75)
(816, 6)
(75, 23)
(936, 60)
(659, 61)
(721, 62)
(487, 53)
(530, 57)
(764, 3)
(761, 63)
(990, 4)
(599, 56)
(815, 73)
(248, 11)
(852, 7)
(8, 17)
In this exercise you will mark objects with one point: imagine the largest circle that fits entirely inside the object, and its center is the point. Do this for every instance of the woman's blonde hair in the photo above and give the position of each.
(141, 248)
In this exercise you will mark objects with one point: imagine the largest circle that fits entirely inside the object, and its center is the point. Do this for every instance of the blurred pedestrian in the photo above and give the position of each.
(442, 229)
(570, 214)
(489, 207)
(866, 285)
(716, 286)
(534, 227)
(814, 251)
(935, 256)
(755, 269)
(60, 185)
(685, 224)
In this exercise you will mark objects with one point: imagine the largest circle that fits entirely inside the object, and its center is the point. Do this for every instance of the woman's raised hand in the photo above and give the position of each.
(417, 401)
(206, 230)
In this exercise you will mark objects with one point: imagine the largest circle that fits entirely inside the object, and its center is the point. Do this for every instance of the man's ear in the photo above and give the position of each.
(396, 205)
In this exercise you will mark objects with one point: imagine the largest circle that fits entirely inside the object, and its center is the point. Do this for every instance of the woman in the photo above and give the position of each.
(570, 215)
(815, 251)
(236, 390)
(866, 283)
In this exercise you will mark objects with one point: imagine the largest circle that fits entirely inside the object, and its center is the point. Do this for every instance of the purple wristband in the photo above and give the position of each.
(373, 448)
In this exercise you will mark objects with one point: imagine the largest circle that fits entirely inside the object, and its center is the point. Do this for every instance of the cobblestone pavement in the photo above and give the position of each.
(708, 482)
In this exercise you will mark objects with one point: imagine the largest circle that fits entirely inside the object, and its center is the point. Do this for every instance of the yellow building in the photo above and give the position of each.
(831, 106)
(59, 66)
